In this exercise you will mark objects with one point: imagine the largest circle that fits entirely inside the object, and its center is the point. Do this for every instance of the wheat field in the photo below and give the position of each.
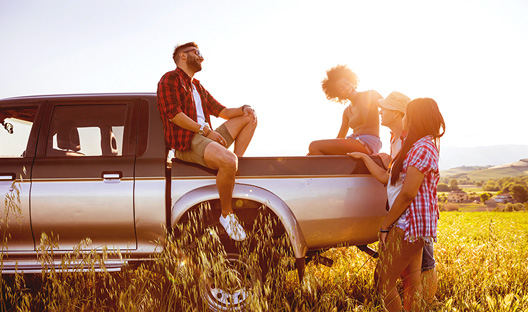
(482, 264)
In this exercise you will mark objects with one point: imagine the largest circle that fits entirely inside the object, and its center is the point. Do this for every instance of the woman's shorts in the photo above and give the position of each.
(428, 261)
(371, 142)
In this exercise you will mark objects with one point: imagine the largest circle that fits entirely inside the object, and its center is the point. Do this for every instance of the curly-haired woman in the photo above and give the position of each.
(361, 115)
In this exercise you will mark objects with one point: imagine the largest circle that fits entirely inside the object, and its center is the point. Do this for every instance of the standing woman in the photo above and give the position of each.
(361, 115)
(413, 218)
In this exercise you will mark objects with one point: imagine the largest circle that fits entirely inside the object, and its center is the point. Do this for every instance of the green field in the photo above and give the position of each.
(482, 264)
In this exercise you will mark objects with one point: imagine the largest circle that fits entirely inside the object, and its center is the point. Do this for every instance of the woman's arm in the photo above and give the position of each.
(411, 185)
(378, 172)
(343, 130)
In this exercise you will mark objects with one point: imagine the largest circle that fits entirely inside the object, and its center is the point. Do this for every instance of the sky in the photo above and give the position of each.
(470, 56)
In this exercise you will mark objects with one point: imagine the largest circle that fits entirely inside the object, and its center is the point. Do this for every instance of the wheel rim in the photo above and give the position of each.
(229, 295)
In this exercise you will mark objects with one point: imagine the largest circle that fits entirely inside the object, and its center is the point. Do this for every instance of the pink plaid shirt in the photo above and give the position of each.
(422, 216)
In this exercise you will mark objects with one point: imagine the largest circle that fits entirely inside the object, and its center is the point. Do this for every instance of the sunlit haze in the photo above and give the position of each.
(470, 56)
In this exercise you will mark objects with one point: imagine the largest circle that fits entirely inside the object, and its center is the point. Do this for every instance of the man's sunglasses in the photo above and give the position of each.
(196, 51)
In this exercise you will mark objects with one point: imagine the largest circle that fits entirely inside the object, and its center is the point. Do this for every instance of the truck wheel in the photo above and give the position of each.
(260, 261)
(231, 289)
(232, 274)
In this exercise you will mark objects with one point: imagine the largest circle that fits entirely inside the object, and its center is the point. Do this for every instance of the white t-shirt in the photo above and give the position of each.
(396, 145)
(199, 110)
(394, 190)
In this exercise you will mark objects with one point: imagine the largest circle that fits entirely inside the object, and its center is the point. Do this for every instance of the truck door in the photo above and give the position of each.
(83, 176)
(18, 137)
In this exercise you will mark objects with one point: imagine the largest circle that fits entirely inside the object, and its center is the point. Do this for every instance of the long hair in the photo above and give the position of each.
(423, 118)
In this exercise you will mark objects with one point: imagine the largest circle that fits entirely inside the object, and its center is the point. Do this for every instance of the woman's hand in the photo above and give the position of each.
(357, 155)
(382, 239)
(385, 158)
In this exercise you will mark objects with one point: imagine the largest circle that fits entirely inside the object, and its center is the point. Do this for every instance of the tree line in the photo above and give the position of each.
(517, 187)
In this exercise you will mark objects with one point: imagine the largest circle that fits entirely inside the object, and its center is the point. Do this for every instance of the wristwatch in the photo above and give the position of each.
(200, 132)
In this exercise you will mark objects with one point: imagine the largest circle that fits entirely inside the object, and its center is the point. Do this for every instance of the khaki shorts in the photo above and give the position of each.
(198, 145)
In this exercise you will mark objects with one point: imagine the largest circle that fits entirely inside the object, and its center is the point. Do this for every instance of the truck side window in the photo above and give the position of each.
(86, 130)
(15, 128)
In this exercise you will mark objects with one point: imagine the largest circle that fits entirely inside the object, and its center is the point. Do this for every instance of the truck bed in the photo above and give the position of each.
(334, 199)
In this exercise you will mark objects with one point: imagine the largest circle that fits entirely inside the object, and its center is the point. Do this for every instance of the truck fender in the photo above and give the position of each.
(250, 192)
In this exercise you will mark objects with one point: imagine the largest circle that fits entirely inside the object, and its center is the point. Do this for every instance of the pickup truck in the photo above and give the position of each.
(95, 166)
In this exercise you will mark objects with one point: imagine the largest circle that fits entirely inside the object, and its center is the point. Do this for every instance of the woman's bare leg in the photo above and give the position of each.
(336, 147)
(412, 283)
(429, 284)
(397, 258)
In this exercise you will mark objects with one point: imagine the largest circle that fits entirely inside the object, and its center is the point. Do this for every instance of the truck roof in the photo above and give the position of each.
(81, 96)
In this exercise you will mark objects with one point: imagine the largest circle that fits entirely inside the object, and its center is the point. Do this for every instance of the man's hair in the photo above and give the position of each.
(182, 47)
(333, 75)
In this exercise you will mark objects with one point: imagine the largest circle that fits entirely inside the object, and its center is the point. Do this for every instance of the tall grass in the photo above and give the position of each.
(481, 262)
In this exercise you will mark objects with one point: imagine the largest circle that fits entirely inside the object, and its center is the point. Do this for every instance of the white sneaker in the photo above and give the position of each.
(232, 227)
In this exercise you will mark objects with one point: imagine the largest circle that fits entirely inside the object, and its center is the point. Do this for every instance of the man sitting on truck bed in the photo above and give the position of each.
(185, 108)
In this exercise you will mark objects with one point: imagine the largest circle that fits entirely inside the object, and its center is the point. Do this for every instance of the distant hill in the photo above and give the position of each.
(489, 172)
(482, 156)
(462, 170)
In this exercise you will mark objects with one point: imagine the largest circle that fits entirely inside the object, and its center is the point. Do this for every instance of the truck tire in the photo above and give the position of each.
(234, 273)
(219, 293)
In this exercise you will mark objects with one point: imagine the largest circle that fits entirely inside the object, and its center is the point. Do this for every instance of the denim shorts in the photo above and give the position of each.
(428, 261)
(371, 142)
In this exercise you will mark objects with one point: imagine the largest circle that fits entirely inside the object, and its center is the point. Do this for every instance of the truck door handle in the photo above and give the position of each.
(112, 177)
(7, 177)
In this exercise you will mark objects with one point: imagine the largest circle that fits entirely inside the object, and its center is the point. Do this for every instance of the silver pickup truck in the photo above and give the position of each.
(95, 166)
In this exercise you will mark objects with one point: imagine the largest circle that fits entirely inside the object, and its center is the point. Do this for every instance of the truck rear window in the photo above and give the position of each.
(87, 130)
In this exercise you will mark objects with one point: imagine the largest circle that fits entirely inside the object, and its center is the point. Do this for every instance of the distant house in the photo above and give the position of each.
(504, 198)
(458, 197)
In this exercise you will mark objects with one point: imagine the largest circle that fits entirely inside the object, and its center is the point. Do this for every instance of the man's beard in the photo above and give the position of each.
(194, 65)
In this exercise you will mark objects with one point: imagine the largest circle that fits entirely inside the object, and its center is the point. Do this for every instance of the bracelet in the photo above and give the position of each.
(384, 231)
(208, 131)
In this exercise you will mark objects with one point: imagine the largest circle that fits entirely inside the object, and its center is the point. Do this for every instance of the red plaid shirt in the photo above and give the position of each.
(175, 95)
(422, 218)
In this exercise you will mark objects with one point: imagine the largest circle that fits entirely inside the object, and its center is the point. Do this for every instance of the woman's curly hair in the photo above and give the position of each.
(334, 74)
